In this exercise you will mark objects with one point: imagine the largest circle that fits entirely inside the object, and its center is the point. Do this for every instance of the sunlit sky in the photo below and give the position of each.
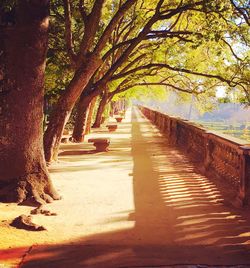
(220, 92)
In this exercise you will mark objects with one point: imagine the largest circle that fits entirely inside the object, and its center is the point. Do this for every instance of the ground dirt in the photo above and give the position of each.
(141, 204)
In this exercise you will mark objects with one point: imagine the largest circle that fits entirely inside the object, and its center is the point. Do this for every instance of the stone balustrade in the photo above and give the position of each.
(215, 154)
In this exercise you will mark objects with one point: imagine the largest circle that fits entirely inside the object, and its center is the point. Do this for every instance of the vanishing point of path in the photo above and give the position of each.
(139, 205)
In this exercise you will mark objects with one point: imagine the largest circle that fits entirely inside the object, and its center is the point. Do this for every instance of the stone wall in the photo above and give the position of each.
(216, 154)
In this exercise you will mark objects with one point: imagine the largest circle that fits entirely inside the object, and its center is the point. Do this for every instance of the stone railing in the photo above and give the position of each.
(219, 155)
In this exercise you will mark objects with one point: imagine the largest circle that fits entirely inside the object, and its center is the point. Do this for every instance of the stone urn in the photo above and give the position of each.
(118, 119)
(112, 127)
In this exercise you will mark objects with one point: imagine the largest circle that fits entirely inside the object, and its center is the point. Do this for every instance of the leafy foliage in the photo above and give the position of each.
(203, 46)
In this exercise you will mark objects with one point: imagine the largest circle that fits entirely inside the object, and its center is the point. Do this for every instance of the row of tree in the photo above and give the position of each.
(103, 48)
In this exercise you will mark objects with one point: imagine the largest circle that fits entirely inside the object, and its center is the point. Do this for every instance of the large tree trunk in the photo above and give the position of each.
(23, 45)
(81, 115)
(61, 114)
(90, 116)
(100, 111)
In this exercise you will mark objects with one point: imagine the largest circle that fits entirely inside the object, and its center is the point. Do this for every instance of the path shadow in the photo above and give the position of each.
(77, 152)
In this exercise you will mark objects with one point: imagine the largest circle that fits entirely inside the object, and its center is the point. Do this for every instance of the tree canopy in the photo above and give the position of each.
(188, 46)
(185, 45)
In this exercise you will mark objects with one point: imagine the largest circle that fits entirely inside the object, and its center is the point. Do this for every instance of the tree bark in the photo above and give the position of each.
(81, 115)
(101, 108)
(90, 116)
(23, 44)
(82, 110)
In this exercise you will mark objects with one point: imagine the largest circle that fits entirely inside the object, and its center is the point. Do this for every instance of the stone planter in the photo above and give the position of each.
(101, 144)
(112, 127)
(118, 119)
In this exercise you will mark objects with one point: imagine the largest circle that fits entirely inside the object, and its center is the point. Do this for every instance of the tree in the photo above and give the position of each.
(105, 99)
(23, 34)
(93, 51)
(82, 114)
(87, 127)
(85, 62)
(188, 23)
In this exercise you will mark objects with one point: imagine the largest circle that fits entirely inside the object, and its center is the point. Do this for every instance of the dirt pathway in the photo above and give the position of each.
(139, 205)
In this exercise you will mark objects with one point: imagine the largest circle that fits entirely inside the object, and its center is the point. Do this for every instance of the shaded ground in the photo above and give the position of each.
(139, 205)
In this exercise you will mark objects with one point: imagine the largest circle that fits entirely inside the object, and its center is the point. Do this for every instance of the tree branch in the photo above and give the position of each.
(111, 26)
(130, 64)
(243, 12)
(175, 69)
(83, 12)
(166, 85)
(68, 32)
(91, 27)
(232, 51)
(180, 9)
(115, 47)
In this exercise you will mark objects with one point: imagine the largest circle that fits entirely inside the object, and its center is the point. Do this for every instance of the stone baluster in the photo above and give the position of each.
(243, 196)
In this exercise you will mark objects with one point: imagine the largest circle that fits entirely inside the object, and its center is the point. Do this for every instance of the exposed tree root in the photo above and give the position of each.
(25, 222)
(40, 210)
(32, 189)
